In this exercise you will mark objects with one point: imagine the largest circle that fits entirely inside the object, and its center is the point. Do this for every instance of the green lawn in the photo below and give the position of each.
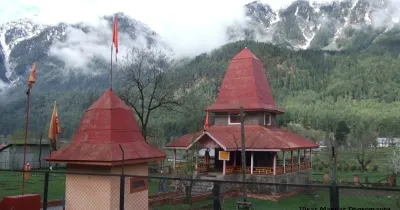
(348, 166)
(11, 184)
(316, 199)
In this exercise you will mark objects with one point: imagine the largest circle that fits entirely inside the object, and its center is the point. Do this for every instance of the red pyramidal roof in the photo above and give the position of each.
(245, 84)
(108, 123)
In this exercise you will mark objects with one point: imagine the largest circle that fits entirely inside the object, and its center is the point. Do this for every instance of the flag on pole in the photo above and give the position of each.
(32, 77)
(115, 34)
(54, 128)
(206, 123)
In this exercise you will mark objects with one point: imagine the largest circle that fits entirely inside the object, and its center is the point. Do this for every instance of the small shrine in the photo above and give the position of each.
(272, 154)
(107, 127)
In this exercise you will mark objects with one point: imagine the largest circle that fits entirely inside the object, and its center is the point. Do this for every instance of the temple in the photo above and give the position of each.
(107, 130)
(272, 153)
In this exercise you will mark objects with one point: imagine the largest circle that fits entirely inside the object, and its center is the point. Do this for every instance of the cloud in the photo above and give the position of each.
(80, 47)
(189, 27)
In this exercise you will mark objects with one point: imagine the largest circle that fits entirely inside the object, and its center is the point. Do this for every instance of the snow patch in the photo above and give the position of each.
(25, 29)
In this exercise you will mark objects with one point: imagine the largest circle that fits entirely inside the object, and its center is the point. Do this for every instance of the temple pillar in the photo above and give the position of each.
(298, 157)
(174, 164)
(234, 159)
(284, 163)
(224, 167)
(274, 163)
(252, 162)
(291, 160)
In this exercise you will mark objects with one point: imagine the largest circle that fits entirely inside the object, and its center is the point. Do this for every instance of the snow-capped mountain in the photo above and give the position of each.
(76, 49)
(11, 34)
(23, 41)
(304, 24)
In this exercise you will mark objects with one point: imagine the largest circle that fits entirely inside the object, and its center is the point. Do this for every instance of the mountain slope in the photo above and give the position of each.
(64, 49)
(337, 25)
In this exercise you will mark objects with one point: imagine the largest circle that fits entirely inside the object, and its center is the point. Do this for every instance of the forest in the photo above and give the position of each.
(323, 93)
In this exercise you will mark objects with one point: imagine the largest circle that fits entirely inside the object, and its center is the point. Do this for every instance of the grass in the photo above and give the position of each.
(380, 159)
(316, 199)
(11, 184)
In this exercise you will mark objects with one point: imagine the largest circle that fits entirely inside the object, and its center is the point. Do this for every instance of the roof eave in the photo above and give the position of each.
(277, 111)
(106, 163)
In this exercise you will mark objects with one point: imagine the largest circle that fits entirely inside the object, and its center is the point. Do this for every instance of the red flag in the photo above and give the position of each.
(54, 128)
(115, 33)
(32, 76)
(206, 123)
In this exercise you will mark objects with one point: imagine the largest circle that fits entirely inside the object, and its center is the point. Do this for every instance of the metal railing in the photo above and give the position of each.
(64, 190)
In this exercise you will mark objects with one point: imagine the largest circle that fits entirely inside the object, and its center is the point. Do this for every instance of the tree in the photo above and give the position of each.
(341, 133)
(366, 135)
(395, 162)
(147, 85)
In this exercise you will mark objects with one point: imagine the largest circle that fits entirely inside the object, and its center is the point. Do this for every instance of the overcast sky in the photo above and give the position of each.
(190, 26)
(152, 12)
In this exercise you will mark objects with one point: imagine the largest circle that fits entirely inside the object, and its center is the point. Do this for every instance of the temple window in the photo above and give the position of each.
(267, 119)
(234, 118)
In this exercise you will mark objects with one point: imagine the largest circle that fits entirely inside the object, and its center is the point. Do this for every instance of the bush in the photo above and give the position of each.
(346, 167)
(375, 168)
(353, 168)
(339, 167)
(320, 167)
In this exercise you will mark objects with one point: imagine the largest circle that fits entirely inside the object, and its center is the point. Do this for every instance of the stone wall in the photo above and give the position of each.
(299, 177)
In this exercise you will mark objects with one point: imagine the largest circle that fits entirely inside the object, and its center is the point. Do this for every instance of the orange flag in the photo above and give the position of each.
(32, 76)
(206, 123)
(115, 33)
(54, 128)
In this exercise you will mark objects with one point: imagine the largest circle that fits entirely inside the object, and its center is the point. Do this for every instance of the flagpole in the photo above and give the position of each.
(111, 67)
(26, 136)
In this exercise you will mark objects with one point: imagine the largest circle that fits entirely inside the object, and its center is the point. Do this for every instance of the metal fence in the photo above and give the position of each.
(61, 190)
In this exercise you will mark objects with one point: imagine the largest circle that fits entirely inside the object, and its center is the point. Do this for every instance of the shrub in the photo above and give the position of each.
(353, 168)
(346, 167)
(320, 167)
(375, 168)
(339, 167)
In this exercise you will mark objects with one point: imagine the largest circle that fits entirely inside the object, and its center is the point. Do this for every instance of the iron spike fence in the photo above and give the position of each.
(67, 190)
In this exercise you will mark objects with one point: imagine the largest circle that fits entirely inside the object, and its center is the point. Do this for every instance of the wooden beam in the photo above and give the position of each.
(274, 163)
(284, 163)
(252, 162)
(174, 164)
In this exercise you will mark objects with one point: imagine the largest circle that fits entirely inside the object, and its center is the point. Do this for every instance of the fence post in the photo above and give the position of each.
(334, 196)
(216, 193)
(122, 193)
(46, 189)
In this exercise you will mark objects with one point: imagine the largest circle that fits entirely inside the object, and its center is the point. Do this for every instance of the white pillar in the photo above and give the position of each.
(274, 163)
(224, 167)
(291, 160)
(174, 165)
(298, 157)
(252, 162)
(284, 163)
